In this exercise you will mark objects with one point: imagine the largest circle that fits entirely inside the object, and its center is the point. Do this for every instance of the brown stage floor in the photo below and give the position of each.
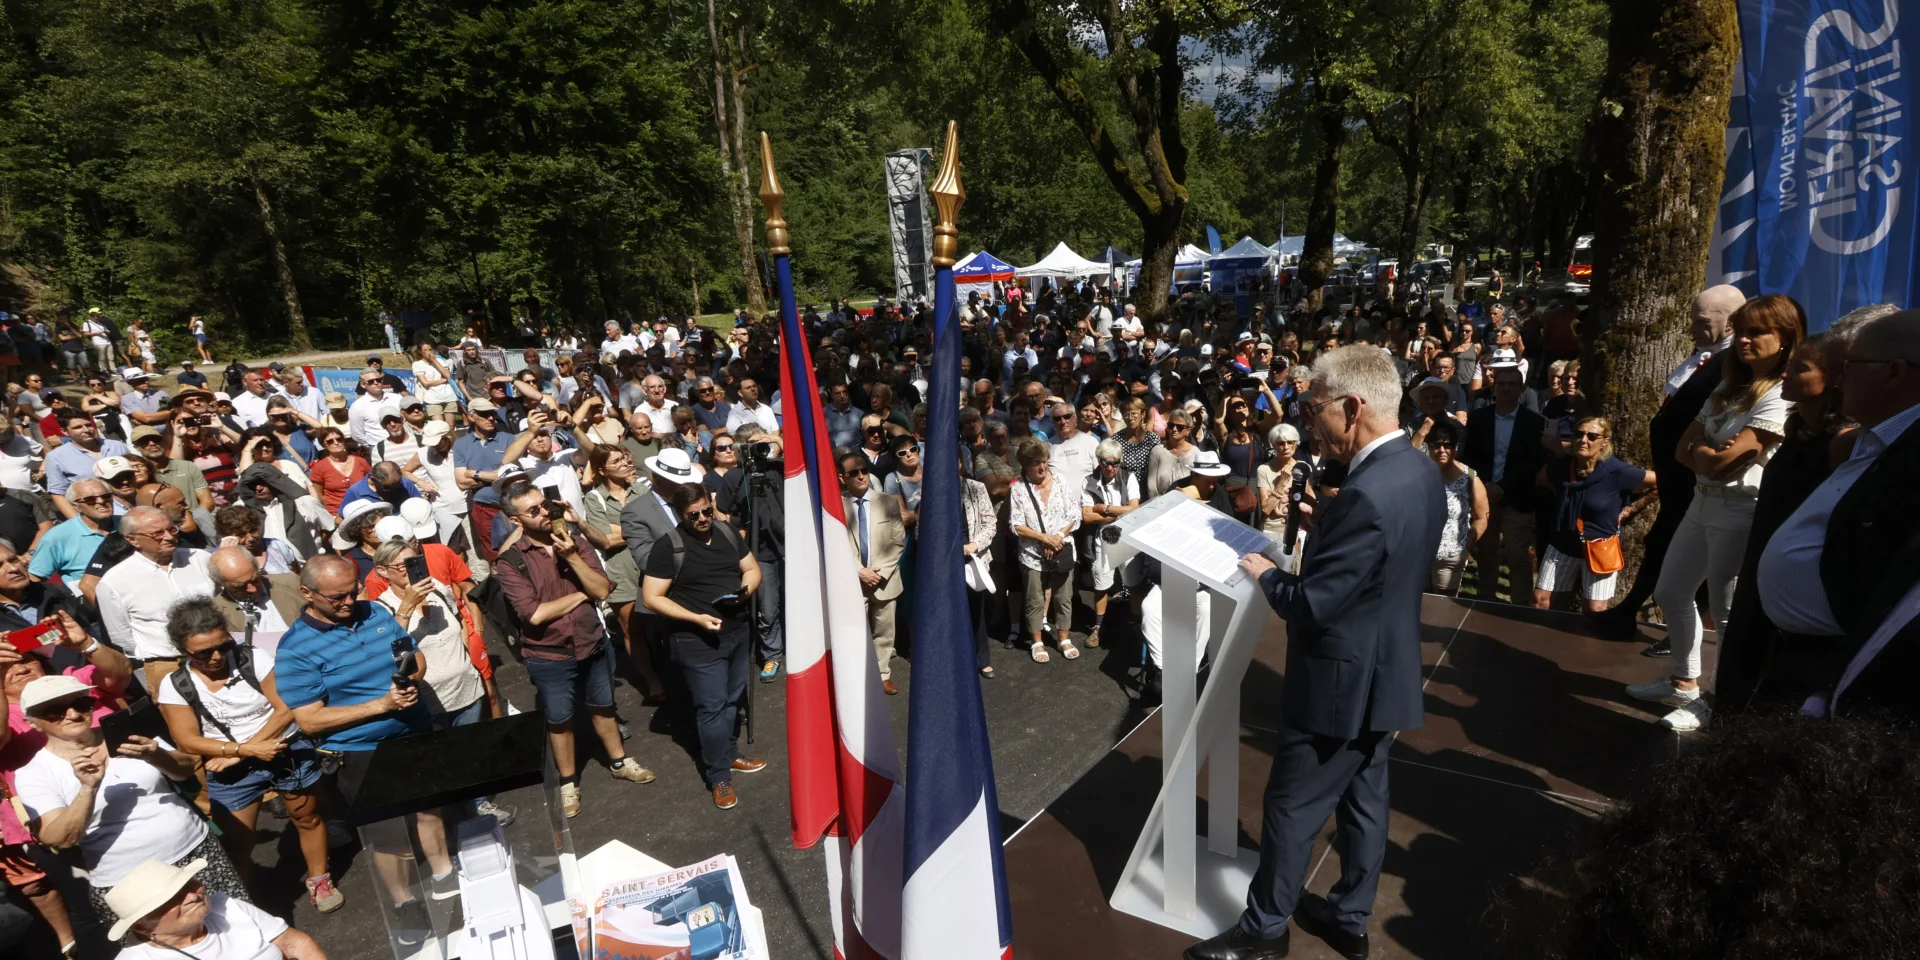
(1529, 737)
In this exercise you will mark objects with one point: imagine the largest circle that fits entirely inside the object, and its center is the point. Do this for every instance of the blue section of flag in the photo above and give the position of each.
(949, 762)
(1828, 100)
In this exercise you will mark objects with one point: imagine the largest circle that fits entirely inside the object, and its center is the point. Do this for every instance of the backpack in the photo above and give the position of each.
(680, 544)
(243, 669)
(498, 621)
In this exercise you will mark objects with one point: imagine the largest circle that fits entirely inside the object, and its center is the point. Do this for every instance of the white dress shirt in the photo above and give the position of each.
(761, 414)
(1682, 373)
(1791, 591)
(363, 419)
(136, 594)
(250, 410)
(310, 402)
(1381, 441)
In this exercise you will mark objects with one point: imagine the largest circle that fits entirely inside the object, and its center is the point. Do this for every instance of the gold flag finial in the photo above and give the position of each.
(947, 197)
(771, 197)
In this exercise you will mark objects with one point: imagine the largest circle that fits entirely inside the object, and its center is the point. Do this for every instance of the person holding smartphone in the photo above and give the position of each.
(699, 581)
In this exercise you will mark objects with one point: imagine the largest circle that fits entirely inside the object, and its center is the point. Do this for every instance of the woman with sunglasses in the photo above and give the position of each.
(1467, 508)
(1587, 496)
(226, 708)
(1170, 463)
(115, 806)
(339, 469)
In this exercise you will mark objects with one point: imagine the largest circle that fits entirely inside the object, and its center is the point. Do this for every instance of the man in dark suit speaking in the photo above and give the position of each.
(1353, 663)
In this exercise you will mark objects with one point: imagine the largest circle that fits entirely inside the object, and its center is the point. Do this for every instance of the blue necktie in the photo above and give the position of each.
(861, 505)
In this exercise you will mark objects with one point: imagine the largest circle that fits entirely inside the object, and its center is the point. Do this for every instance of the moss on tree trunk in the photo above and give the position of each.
(1657, 141)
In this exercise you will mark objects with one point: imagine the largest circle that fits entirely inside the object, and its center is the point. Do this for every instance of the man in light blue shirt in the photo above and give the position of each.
(74, 460)
(69, 546)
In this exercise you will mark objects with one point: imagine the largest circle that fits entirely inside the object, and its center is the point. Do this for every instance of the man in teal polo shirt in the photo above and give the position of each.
(335, 668)
(69, 546)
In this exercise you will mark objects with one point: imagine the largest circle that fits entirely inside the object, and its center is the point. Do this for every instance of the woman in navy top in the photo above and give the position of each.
(1587, 494)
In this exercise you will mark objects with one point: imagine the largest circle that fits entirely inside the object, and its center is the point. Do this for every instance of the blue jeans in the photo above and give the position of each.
(461, 717)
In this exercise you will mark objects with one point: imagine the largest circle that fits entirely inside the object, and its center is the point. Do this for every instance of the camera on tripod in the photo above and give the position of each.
(759, 454)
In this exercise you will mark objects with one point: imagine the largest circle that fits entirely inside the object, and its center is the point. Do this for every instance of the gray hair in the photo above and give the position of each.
(74, 488)
(1300, 371)
(1109, 449)
(131, 520)
(1282, 433)
(1364, 372)
(1841, 334)
(8, 546)
(1893, 336)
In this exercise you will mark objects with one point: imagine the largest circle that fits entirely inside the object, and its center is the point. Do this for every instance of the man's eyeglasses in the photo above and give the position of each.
(202, 656)
(94, 501)
(161, 536)
(855, 472)
(723, 448)
(120, 480)
(1062, 417)
(699, 514)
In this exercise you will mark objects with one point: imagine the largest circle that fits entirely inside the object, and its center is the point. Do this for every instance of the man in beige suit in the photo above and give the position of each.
(879, 536)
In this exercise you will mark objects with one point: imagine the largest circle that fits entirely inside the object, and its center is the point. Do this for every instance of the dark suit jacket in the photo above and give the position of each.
(642, 521)
(1353, 612)
(1524, 454)
(1871, 559)
(1676, 415)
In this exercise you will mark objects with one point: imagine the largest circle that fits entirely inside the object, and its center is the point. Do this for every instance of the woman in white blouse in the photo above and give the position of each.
(977, 506)
(1045, 514)
(1727, 447)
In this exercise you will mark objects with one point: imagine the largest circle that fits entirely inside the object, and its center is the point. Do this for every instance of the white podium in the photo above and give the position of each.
(1177, 876)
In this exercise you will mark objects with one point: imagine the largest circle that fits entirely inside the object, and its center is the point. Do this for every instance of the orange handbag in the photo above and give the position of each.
(1603, 556)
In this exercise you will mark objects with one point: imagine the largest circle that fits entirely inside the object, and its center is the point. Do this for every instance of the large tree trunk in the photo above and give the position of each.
(1412, 205)
(1658, 142)
(1156, 263)
(729, 97)
(283, 265)
(1323, 208)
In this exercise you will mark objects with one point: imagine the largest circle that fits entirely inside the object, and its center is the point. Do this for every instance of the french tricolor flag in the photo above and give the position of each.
(956, 898)
(846, 767)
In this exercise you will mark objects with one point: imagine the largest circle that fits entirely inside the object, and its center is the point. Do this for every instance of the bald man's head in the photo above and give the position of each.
(234, 567)
(1711, 309)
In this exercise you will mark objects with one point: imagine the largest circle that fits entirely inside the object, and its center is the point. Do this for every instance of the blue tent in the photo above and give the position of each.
(1239, 272)
(982, 267)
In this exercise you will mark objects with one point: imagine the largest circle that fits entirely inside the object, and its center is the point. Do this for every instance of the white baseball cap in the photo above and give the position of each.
(48, 689)
(418, 514)
(393, 528)
(434, 432)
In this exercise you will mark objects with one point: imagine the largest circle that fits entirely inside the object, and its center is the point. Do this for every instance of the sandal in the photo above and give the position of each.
(1068, 650)
(1039, 652)
(1093, 639)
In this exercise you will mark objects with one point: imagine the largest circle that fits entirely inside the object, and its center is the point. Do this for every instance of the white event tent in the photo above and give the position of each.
(1063, 262)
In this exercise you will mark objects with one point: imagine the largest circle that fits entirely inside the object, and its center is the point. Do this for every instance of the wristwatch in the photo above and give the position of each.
(91, 646)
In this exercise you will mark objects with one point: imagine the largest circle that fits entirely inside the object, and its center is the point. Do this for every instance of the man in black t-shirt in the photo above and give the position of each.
(701, 582)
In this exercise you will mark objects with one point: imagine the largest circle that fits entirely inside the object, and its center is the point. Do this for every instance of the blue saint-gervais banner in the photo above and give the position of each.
(1820, 201)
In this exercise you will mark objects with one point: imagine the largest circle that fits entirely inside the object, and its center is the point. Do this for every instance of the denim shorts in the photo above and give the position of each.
(554, 683)
(243, 784)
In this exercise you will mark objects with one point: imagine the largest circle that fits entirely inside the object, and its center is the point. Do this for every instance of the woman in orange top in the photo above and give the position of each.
(334, 473)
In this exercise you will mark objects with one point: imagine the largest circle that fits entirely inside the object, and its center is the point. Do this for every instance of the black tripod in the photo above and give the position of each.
(762, 472)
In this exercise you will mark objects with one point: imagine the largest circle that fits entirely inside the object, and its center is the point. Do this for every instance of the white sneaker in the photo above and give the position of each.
(1689, 718)
(1663, 691)
(570, 800)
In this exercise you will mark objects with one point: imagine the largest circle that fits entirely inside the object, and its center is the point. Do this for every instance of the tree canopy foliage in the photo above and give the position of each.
(290, 168)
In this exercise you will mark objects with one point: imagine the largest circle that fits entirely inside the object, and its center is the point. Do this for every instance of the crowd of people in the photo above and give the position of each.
(293, 575)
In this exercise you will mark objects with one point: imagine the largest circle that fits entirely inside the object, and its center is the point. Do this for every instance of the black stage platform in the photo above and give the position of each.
(1528, 738)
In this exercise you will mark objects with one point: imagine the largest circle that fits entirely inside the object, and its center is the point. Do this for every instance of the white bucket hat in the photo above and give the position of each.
(146, 889)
